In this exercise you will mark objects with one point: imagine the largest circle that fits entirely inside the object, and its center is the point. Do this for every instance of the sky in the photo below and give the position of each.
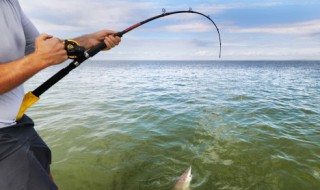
(250, 29)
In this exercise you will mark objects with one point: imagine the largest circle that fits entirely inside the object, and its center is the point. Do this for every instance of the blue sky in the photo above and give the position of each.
(250, 29)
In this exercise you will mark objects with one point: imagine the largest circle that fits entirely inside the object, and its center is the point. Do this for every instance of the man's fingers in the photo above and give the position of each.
(107, 44)
(116, 40)
(110, 42)
(113, 40)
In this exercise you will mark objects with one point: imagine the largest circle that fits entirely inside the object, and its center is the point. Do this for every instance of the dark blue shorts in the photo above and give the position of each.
(24, 158)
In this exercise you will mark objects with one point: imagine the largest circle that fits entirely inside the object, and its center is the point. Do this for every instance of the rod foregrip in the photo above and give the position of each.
(96, 49)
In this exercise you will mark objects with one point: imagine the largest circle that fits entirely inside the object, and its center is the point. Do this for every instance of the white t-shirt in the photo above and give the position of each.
(17, 35)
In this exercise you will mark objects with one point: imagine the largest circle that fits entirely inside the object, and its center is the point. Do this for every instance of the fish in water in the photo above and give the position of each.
(183, 182)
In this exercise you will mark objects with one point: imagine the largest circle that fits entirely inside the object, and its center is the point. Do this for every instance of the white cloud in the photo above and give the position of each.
(214, 7)
(190, 27)
(43, 26)
(308, 27)
(93, 15)
(277, 53)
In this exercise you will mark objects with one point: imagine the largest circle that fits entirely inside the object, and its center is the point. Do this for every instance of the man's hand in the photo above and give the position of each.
(50, 51)
(90, 40)
(111, 41)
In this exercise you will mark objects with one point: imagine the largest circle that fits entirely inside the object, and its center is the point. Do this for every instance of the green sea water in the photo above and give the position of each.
(137, 125)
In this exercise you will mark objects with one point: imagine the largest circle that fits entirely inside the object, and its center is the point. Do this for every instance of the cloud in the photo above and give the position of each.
(71, 16)
(218, 8)
(65, 16)
(52, 27)
(315, 35)
(189, 27)
(308, 27)
(277, 53)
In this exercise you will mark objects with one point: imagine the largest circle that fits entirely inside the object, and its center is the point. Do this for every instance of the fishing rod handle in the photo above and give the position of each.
(54, 79)
(96, 49)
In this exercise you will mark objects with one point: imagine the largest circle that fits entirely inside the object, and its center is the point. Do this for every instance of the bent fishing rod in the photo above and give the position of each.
(79, 55)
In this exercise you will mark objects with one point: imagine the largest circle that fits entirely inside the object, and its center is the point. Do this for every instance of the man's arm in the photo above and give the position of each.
(49, 51)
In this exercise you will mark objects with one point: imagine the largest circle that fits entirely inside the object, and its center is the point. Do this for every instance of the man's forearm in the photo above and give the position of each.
(15, 73)
(84, 41)
(49, 51)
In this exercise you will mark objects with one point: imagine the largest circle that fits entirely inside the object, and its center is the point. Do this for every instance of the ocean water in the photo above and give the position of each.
(137, 125)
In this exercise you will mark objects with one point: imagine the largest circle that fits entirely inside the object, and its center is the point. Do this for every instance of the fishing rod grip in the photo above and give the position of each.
(96, 49)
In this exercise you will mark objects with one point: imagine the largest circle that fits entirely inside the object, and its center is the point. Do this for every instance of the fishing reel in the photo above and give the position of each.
(74, 50)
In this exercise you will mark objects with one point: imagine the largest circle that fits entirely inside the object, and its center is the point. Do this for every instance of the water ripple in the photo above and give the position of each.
(138, 125)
